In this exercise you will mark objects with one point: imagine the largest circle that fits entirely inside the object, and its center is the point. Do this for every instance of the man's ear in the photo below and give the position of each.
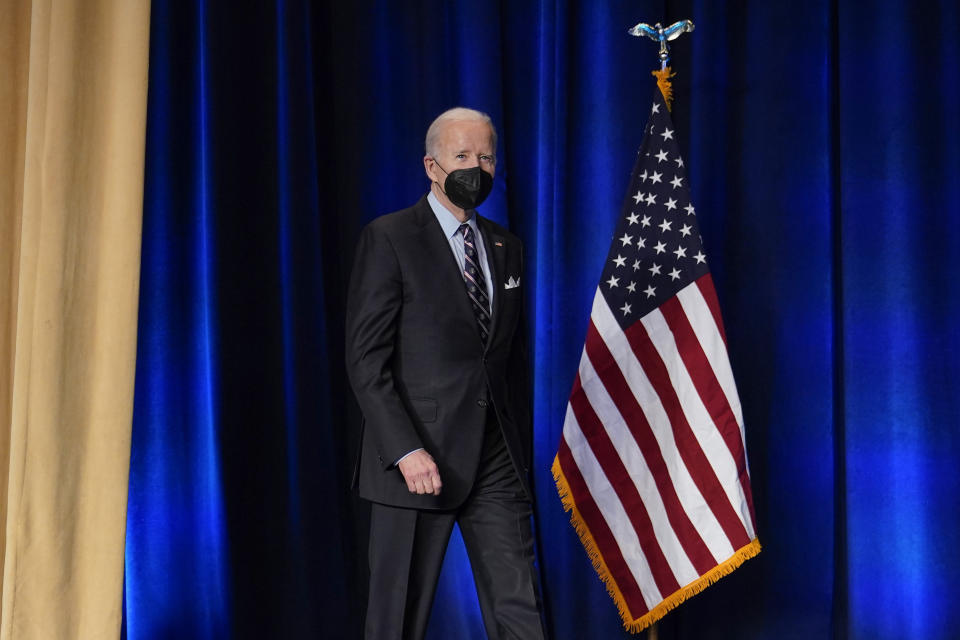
(428, 167)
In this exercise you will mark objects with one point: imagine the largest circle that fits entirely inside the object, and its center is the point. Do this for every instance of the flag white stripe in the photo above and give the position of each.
(692, 501)
(611, 509)
(632, 458)
(702, 425)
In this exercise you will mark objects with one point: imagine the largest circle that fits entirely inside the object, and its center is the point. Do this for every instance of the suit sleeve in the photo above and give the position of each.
(374, 298)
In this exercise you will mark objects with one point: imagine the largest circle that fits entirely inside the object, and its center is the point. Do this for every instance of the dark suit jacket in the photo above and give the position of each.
(416, 362)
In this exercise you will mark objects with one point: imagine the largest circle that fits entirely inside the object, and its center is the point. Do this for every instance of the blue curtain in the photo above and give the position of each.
(823, 142)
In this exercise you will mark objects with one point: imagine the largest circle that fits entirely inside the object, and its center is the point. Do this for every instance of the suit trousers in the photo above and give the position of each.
(407, 547)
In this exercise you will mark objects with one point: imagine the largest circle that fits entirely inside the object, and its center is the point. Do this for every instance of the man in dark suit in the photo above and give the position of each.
(436, 355)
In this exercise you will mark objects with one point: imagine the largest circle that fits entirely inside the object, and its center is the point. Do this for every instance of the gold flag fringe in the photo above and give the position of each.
(663, 82)
(631, 623)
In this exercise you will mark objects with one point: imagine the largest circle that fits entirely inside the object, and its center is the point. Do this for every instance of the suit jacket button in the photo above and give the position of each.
(482, 403)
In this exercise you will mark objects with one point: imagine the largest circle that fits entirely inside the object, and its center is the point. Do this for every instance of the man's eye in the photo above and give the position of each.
(461, 156)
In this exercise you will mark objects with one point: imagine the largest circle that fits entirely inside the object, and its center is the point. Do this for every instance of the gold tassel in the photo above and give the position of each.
(631, 623)
(586, 539)
(663, 82)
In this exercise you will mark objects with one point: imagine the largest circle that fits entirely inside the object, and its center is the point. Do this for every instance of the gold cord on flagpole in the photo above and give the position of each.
(663, 82)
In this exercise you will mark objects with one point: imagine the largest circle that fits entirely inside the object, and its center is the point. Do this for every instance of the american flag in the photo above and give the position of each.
(652, 463)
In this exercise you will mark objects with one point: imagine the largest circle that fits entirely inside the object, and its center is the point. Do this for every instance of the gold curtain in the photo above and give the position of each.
(73, 87)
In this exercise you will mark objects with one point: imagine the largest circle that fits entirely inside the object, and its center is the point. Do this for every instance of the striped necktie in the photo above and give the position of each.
(476, 284)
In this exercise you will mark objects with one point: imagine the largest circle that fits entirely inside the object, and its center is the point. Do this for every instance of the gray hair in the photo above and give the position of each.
(457, 113)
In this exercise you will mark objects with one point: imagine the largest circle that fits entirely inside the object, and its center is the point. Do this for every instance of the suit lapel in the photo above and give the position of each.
(437, 244)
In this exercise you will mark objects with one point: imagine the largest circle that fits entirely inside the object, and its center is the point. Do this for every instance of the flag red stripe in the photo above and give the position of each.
(709, 389)
(687, 446)
(600, 531)
(709, 293)
(622, 483)
(705, 284)
(619, 389)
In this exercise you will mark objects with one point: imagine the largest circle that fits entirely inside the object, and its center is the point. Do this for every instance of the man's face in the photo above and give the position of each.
(462, 144)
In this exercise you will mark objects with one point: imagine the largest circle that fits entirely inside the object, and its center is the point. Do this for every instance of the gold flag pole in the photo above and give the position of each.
(652, 632)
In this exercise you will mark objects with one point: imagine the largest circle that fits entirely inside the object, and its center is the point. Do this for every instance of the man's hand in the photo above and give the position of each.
(421, 473)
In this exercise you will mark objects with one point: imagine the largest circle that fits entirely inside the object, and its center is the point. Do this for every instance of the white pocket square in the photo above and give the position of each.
(512, 283)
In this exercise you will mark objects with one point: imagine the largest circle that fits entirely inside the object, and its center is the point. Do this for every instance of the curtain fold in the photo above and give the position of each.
(72, 128)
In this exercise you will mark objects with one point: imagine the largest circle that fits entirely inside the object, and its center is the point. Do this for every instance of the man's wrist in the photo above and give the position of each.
(400, 459)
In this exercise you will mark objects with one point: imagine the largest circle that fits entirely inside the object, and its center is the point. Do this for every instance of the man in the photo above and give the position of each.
(436, 356)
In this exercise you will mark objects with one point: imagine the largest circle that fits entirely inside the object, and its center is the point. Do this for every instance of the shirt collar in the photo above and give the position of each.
(448, 222)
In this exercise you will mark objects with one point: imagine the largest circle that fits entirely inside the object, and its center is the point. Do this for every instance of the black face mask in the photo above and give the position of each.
(467, 188)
